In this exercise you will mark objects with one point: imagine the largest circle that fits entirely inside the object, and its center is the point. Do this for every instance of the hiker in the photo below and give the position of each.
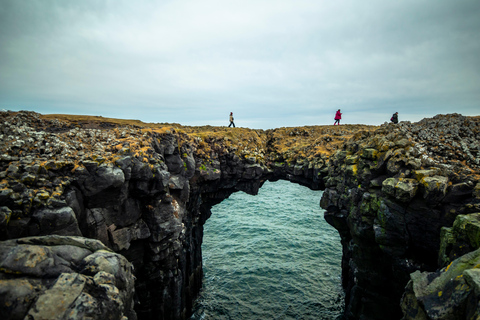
(338, 116)
(231, 120)
(394, 118)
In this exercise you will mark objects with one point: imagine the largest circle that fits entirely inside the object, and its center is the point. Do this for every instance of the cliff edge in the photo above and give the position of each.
(144, 192)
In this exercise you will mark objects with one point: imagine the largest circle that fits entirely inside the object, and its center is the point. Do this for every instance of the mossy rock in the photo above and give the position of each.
(351, 169)
(434, 188)
(448, 294)
(476, 191)
(420, 174)
(462, 237)
(351, 159)
(370, 153)
(401, 189)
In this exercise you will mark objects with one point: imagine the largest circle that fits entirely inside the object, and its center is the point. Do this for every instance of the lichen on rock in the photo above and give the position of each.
(144, 190)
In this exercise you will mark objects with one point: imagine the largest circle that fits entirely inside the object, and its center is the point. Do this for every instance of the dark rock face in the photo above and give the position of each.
(389, 193)
(146, 194)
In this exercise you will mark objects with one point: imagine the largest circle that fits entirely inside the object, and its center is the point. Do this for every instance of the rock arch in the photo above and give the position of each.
(145, 192)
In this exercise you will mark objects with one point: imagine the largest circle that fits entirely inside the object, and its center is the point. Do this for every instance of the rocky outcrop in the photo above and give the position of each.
(452, 292)
(389, 193)
(61, 277)
(145, 190)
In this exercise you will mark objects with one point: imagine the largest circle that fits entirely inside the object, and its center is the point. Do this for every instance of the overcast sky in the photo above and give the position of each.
(273, 63)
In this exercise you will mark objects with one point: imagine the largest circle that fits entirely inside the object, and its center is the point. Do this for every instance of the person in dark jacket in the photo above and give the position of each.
(394, 118)
(338, 116)
(231, 120)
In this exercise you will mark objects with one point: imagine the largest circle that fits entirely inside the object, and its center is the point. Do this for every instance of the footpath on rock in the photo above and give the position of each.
(84, 197)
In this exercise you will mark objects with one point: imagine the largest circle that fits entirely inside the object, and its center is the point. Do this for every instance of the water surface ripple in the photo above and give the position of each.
(270, 256)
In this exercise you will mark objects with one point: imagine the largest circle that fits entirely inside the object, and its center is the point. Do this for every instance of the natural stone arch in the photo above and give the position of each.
(388, 192)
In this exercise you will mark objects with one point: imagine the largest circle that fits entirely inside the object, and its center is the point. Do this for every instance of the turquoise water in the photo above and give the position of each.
(270, 256)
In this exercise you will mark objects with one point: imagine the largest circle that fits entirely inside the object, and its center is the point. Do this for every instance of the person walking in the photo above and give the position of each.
(394, 118)
(231, 120)
(338, 116)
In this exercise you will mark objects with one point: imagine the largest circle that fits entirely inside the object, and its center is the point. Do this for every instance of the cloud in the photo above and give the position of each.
(274, 63)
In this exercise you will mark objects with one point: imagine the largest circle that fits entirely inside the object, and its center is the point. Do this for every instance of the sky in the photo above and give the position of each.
(273, 63)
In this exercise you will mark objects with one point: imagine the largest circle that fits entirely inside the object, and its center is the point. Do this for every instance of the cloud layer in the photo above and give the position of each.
(272, 63)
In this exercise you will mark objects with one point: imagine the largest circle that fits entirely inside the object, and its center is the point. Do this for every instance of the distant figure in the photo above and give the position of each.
(231, 120)
(394, 118)
(338, 116)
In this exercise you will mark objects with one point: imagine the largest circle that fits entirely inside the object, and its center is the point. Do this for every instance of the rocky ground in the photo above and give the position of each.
(36, 148)
(145, 190)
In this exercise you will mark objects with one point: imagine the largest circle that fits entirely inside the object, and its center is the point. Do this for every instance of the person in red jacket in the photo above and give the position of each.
(338, 116)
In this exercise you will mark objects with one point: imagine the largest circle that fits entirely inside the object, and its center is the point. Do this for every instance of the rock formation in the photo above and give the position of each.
(144, 191)
(64, 277)
(389, 193)
(452, 292)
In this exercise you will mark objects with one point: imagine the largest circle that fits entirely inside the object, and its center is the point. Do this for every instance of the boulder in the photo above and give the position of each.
(450, 294)
(434, 188)
(60, 221)
(401, 189)
(59, 277)
(103, 177)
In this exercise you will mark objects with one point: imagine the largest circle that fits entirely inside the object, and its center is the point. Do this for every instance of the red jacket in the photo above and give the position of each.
(338, 115)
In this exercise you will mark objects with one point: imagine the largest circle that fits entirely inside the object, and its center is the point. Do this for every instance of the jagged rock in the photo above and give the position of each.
(105, 176)
(175, 163)
(146, 190)
(476, 191)
(5, 214)
(401, 189)
(434, 187)
(56, 277)
(421, 191)
(461, 238)
(449, 294)
(369, 153)
(177, 182)
(61, 221)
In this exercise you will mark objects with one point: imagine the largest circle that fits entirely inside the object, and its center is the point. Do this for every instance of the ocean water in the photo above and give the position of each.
(270, 256)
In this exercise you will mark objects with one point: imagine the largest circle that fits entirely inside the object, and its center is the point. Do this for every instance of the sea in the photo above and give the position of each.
(270, 256)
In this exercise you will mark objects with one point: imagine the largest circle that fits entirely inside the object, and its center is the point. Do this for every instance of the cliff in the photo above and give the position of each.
(145, 190)
(389, 193)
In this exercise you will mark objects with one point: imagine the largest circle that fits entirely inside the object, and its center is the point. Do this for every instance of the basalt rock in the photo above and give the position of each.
(58, 277)
(390, 205)
(452, 292)
(145, 190)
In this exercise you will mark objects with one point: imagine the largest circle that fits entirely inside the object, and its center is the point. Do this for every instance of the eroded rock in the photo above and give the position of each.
(57, 277)
(146, 190)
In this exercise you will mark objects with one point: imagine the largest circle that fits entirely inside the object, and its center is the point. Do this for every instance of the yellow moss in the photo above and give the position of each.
(43, 194)
(448, 267)
(5, 270)
(75, 167)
